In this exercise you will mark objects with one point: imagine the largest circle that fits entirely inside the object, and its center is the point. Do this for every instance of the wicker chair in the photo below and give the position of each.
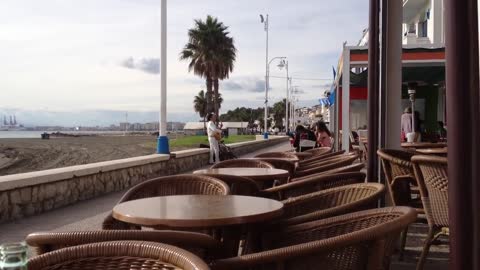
(319, 151)
(312, 184)
(288, 155)
(119, 255)
(200, 244)
(357, 167)
(324, 161)
(331, 202)
(336, 163)
(357, 241)
(238, 185)
(432, 177)
(169, 185)
(242, 163)
(281, 164)
(400, 178)
(319, 157)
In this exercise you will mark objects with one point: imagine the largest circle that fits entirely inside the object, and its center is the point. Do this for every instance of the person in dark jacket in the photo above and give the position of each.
(301, 133)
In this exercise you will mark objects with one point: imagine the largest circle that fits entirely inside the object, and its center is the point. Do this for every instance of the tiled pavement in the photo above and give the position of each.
(88, 215)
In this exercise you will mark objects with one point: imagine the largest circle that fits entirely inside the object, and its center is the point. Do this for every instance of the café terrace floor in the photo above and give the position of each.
(88, 215)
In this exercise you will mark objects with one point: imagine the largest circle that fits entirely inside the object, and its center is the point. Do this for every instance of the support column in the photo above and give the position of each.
(346, 100)
(463, 112)
(373, 90)
(393, 76)
(162, 144)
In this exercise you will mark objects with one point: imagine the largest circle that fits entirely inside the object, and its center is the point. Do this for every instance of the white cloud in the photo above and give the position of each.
(74, 55)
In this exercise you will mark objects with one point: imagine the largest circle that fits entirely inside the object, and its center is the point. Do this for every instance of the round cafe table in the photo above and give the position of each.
(432, 151)
(197, 211)
(256, 174)
(230, 213)
(419, 145)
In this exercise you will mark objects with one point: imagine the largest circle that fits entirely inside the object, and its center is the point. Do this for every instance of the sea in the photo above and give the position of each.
(19, 134)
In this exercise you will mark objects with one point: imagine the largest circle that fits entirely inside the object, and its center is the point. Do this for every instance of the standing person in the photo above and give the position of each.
(406, 123)
(212, 130)
(323, 135)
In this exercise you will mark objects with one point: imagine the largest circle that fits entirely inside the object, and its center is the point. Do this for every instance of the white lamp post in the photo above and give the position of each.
(284, 63)
(265, 127)
(162, 144)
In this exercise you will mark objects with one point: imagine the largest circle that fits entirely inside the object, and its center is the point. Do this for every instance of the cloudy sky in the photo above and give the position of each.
(85, 55)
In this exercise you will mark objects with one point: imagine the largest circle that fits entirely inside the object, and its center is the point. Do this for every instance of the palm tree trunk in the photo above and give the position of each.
(215, 97)
(204, 125)
(209, 95)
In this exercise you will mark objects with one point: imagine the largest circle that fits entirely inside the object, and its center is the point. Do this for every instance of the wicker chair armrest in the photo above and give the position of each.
(404, 178)
(44, 242)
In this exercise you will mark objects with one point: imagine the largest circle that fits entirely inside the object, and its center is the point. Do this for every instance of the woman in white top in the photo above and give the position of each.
(211, 131)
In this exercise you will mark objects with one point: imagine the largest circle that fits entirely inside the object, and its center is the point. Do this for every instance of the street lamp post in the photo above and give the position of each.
(282, 64)
(265, 127)
(162, 143)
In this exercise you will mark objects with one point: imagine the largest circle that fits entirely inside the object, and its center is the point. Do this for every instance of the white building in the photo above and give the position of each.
(233, 128)
(423, 22)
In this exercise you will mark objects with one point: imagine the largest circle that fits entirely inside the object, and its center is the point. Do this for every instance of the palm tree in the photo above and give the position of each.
(200, 106)
(212, 56)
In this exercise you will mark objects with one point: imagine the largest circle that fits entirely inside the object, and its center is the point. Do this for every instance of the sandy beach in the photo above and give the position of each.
(26, 155)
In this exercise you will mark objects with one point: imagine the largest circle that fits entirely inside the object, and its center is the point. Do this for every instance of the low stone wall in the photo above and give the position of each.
(37, 192)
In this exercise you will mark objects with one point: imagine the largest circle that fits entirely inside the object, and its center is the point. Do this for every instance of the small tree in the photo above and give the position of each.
(200, 106)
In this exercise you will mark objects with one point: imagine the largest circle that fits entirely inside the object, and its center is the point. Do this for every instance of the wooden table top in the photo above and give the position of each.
(432, 151)
(197, 211)
(424, 145)
(257, 174)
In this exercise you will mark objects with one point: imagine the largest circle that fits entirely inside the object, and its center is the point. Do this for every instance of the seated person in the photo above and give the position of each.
(301, 133)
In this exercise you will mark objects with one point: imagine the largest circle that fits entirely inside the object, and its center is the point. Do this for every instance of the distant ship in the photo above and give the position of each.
(11, 125)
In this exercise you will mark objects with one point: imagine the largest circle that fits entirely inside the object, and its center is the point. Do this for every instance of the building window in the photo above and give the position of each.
(422, 29)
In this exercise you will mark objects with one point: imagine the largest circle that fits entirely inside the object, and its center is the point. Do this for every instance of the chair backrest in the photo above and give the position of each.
(282, 164)
(357, 241)
(340, 162)
(363, 147)
(238, 185)
(324, 161)
(432, 177)
(186, 184)
(242, 163)
(315, 183)
(357, 167)
(396, 164)
(288, 155)
(304, 143)
(198, 243)
(320, 151)
(121, 255)
(331, 202)
(320, 157)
